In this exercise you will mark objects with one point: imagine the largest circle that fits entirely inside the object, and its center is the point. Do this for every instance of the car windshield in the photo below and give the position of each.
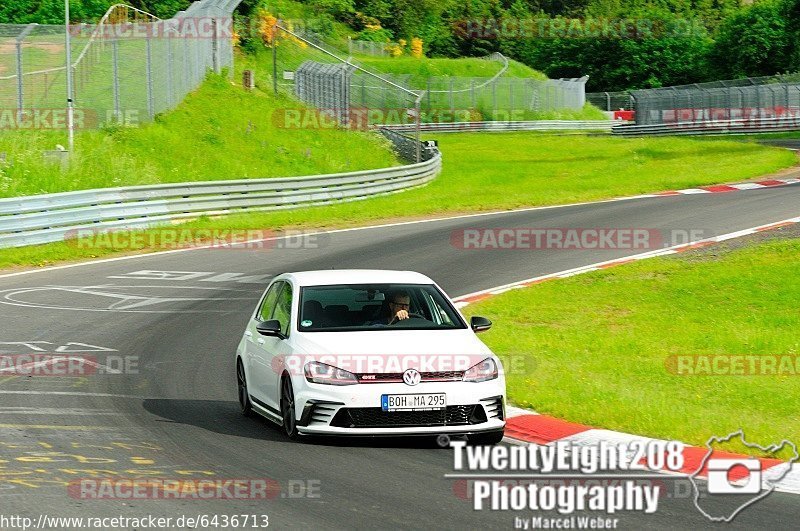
(362, 307)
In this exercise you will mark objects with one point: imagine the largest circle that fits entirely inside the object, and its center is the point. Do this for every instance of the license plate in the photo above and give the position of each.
(420, 402)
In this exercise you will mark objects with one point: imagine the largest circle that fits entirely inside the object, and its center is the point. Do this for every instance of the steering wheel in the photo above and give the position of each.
(410, 316)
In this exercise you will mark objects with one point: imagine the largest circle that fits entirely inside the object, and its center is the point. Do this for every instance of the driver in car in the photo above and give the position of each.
(398, 306)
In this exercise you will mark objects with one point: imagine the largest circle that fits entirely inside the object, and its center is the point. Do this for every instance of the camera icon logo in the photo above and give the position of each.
(725, 476)
(736, 482)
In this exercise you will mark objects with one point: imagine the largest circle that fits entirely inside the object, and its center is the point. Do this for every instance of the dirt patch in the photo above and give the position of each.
(718, 250)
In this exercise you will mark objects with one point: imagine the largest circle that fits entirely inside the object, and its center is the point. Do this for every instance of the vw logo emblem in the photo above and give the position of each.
(412, 377)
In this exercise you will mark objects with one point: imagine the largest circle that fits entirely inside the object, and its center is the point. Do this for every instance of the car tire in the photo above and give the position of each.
(486, 439)
(245, 406)
(288, 413)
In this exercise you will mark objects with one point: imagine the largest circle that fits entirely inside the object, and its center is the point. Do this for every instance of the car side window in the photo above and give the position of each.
(283, 308)
(268, 304)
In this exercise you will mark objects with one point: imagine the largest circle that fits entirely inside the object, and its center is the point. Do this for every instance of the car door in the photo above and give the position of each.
(268, 348)
(255, 342)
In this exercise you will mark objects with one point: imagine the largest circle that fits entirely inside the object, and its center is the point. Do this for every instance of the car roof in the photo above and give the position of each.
(356, 276)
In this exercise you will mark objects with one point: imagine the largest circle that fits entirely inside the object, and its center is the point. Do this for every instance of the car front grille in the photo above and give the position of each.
(397, 377)
(375, 417)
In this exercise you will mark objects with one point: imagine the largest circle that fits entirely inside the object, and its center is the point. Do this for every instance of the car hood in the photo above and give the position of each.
(392, 342)
(389, 351)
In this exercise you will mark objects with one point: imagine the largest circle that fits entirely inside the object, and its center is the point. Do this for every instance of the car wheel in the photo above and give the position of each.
(287, 409)
(486, 439)
(244, 397)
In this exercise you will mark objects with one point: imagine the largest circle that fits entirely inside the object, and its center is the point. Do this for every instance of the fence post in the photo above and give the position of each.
(115, 70)
(452, 103)
(215, 47)
(608, 101)
(149, 67)
(20, 88)
(472, 93)
(187, 83)
(428, 92)
(275, 59)
(169, 71)
(418, 109)
(363, 91)
(20, 73)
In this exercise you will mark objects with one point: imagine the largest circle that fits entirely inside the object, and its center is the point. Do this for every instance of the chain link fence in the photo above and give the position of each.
(749, 99)
(611, 101)
(358, 97)
(370, 48)
(126, 69)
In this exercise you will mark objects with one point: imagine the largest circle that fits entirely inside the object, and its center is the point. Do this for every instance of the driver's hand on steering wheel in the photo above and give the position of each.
(400, 315)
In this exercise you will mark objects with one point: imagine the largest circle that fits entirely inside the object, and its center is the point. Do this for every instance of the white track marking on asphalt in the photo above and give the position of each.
(337, 231)
(27, 410)
(460, 301)
(71, 393)
(126, 302)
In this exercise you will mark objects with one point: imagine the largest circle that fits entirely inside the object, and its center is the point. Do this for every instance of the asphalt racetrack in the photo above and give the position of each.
(180, 315)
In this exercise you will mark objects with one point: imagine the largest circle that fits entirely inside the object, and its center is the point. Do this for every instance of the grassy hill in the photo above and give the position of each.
(219, 132)
(421, 69)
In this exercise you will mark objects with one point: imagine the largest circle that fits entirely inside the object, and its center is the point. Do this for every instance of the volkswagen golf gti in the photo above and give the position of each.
(368, 353)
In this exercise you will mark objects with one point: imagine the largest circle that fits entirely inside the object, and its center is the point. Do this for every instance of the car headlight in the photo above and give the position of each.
(322, 373)
(481, 372)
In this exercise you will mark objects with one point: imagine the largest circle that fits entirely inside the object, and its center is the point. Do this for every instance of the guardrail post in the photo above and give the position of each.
(608, 101)
(149, 67)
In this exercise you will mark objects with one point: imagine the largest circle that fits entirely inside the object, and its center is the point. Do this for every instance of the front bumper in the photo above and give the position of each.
(355, 409)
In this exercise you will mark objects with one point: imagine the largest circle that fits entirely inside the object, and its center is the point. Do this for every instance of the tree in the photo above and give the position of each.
(752, 42)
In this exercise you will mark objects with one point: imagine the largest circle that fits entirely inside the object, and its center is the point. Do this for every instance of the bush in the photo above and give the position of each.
(752, 42)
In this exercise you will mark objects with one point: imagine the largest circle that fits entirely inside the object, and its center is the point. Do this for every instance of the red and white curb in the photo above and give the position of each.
(464, 300)
(528, 427)
(723, 188)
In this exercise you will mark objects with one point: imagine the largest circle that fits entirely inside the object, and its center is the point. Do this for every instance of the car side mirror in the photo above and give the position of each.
(270, 328)
(479, 324)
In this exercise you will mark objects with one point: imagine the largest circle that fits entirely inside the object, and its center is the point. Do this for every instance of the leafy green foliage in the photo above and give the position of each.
(52, 11)
(753, 42)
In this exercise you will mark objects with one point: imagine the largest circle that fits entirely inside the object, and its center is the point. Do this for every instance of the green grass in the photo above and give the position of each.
(594, 348)
(485, 171)
(218, 132)
(421, 69)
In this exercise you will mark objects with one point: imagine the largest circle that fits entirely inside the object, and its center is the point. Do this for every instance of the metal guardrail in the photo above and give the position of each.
(716, 127)
(47, 218)
(537, 125)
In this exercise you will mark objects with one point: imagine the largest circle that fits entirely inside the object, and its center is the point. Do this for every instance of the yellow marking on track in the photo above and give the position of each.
(142, 461)
(45, 445)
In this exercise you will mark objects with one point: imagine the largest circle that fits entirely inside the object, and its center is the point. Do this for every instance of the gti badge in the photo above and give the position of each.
(412, 377)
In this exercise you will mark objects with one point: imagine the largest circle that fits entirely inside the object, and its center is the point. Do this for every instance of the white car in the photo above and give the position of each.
(368, 353)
